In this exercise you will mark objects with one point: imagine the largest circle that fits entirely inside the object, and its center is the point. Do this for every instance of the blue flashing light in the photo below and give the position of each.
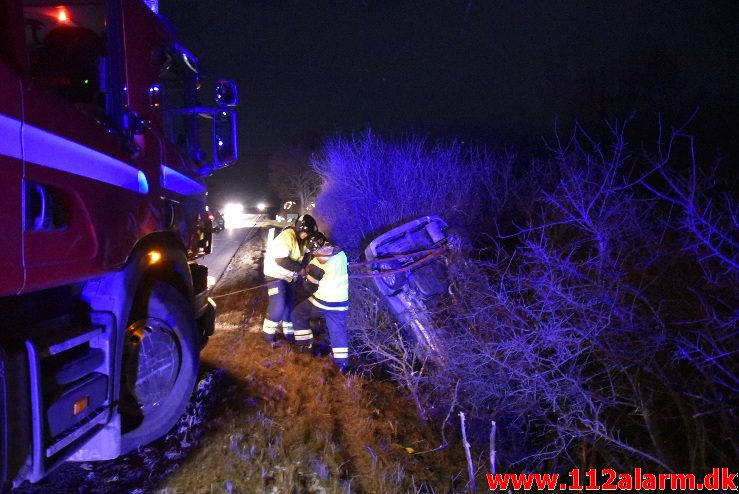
(175, 181)
(52, 151)
(153, 5)
(10, 137)
(155, 96)
(143, 183)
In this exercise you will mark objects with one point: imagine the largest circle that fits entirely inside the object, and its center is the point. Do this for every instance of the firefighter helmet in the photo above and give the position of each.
(315, 241)
(327, 250)
(306, 223)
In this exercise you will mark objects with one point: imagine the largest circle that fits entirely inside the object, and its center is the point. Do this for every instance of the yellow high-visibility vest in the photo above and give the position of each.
(284, 245)
(333, 287)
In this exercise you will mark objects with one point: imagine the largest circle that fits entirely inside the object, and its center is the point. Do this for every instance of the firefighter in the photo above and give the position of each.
(283, 264)
(327, 279)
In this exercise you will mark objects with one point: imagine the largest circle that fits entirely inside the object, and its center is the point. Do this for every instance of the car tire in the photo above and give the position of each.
(391, 283)
(159, 365)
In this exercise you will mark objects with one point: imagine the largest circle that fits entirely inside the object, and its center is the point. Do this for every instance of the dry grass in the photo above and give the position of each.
(290, 423)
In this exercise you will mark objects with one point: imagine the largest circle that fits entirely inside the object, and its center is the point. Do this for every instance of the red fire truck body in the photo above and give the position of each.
(104, 147)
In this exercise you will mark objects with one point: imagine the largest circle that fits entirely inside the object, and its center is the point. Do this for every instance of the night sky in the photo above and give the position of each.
(480, 68)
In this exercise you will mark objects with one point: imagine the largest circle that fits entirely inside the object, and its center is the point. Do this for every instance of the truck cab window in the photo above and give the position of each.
(179, 83)
(66, 45)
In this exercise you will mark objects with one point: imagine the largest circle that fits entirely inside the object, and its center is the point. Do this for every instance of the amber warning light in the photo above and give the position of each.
(154, 257)
(62, 15)
(80, 405)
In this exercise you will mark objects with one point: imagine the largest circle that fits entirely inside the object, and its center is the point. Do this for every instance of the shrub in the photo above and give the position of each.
(371, 184)
(603, 332)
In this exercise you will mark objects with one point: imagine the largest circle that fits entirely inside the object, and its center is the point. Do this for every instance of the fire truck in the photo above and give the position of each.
(104, 150)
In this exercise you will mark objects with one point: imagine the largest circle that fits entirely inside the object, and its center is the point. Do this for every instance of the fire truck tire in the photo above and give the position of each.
(159, 366)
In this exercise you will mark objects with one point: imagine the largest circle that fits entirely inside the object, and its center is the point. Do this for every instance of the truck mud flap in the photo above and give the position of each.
(206, 320)
(205, 307)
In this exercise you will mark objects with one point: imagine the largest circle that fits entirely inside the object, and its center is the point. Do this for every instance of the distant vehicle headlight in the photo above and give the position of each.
(233, 208)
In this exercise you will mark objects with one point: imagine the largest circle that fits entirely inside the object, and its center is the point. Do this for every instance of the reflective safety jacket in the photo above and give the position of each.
(284, 256)
(329, 283)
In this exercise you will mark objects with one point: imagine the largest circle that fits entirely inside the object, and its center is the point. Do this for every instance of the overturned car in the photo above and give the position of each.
(409, 264)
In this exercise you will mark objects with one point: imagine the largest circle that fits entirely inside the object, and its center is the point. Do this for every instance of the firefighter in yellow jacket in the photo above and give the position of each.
(283, 263)
(327, 278)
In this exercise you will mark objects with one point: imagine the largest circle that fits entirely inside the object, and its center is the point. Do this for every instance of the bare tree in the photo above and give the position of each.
(291, 176)
(604, 331)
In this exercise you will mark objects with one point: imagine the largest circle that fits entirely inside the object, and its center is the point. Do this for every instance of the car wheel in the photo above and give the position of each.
(392, 282)
(160, 364)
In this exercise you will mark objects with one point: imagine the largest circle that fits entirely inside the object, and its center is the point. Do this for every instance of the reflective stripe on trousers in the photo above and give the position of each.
(269, 328)
(335, 322)
(287, 328)
(303, 336)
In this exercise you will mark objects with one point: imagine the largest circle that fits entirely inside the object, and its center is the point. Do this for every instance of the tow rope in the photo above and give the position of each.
(422, 257)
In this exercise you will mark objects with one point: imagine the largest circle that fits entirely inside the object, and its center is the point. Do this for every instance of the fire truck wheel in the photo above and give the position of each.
(160, 364)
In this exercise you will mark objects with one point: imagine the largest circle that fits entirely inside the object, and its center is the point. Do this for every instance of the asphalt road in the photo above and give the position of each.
(226, 243)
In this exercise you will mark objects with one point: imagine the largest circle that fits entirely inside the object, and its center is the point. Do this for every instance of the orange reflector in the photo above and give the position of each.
(80, 405)
(154, 256)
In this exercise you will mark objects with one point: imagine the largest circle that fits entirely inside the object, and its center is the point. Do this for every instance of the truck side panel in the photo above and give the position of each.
(71, 236)
(102, 211)
(11, 170)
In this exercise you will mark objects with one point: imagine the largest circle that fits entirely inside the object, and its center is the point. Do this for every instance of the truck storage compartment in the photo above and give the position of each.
(75, 403)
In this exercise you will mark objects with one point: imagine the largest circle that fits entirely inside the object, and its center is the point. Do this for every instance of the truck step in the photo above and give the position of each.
(69, 374)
